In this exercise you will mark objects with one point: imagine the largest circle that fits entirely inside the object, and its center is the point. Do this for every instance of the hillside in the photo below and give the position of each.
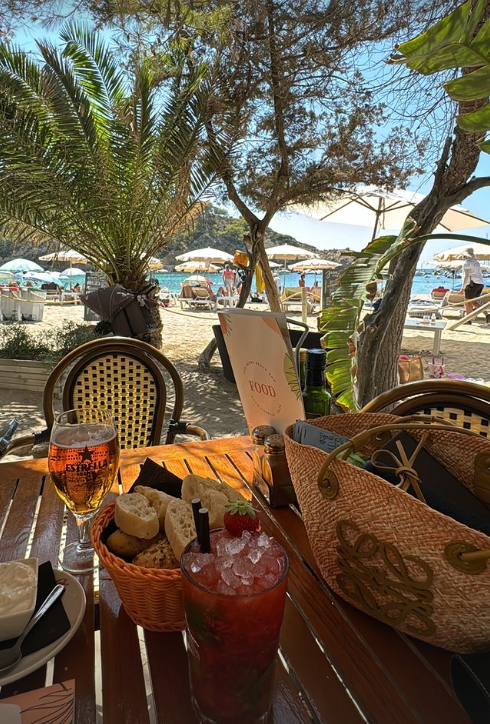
(213, 227)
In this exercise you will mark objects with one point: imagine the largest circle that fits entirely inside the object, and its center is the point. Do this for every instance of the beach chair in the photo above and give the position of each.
(129, 378)
(465, 404)
(292, 297)
(202, 298)
(186, 296)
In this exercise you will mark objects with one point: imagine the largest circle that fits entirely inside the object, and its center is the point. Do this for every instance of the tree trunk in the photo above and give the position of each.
(379, 345)
(257, 235)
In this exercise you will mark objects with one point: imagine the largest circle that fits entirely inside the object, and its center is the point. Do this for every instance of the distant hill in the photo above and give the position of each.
(213, 227)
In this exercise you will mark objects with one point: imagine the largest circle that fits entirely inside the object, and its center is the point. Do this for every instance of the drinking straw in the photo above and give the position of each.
(196, 504)
(204, 543)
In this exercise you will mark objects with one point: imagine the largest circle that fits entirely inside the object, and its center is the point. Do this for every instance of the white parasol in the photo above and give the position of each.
(481, 251)
(315, 264)
(70, 256)
(21, 265)
(206, 254)
(379, 209)
(193, 266)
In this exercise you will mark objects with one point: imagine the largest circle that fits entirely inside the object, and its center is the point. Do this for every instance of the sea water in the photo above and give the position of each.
(173, 281)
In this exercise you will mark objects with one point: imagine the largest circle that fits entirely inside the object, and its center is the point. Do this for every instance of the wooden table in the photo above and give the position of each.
(337, 666)
(436, 328)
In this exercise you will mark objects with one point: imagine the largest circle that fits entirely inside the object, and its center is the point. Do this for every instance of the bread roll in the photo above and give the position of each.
(212, 494)
(179, 525)
(127, 546)
(157, 500)
(157, 555)
(135, 516)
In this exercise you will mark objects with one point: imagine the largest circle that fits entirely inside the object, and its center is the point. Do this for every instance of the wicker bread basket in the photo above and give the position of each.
(151, 597)
(388, 553)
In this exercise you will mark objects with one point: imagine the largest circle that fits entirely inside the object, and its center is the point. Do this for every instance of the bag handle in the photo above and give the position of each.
(412, 422)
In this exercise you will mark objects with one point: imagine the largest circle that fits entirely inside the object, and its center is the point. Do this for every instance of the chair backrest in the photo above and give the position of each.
(200, 293)
(464, 404)
(125, 376)
(290, 294)
(186, 291)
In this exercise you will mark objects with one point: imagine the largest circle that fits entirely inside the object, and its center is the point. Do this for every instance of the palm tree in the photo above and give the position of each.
(96, 159)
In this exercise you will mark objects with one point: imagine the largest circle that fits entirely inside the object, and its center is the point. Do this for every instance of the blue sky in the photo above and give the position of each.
(325, 235)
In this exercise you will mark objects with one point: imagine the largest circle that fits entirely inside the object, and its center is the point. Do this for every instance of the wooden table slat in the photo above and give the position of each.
(18, 526)
(169, 672)
(315, 673)
(75, 661)
(123, 686)
(46, 543)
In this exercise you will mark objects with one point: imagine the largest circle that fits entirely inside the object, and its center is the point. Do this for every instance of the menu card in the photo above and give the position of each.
(54, 704)
(261, 355)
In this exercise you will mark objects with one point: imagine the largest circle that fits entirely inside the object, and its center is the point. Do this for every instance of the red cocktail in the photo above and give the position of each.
(234, 603)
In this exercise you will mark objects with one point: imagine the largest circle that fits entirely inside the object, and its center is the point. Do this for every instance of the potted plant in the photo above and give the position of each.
(26, 359)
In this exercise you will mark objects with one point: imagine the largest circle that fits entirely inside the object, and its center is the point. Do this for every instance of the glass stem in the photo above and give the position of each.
(83, 523)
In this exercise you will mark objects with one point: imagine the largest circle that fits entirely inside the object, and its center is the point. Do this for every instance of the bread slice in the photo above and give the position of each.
(157, 500)
(212, 494)
(157, 555)
(127, 546)
(135, 516)
(179, 525)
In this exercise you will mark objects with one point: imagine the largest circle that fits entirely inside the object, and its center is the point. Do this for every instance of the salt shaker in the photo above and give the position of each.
(275, 481)
(259, 434)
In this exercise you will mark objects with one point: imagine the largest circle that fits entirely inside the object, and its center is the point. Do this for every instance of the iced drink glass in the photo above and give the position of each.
(234, 604)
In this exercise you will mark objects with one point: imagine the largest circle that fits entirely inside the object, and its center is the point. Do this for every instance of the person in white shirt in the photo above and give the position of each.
(472, 281)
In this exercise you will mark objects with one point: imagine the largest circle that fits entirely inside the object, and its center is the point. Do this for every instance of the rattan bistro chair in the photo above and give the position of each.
(126, 377)
(464, 404)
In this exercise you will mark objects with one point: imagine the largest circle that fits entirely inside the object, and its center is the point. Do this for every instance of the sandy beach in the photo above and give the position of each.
(212, 401)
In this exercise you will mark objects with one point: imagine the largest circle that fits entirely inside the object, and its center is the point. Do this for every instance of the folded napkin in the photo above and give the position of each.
(470, 674)
(52, 625)
(156, 476)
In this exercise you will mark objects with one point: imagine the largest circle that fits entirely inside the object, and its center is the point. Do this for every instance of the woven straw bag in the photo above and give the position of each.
(388, 553)
(151, 597)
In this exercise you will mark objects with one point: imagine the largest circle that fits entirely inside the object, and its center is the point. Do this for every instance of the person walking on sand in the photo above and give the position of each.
(472, 281)
(228, 280)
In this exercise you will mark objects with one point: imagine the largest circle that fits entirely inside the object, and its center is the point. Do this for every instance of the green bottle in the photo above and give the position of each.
(316, 397)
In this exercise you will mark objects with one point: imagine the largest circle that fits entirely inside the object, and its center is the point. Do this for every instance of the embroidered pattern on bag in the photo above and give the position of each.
(378, 580)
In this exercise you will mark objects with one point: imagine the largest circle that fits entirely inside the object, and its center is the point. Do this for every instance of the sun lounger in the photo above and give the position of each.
(293, 296)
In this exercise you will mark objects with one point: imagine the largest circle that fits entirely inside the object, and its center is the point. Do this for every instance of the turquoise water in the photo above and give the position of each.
(172, 281)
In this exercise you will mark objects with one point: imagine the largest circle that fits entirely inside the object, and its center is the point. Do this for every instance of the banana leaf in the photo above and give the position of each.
(449, 44)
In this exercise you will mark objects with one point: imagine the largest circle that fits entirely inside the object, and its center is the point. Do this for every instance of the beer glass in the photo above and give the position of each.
(83, 461)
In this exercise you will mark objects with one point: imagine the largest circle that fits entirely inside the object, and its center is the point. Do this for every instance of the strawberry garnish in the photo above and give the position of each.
(239, 516)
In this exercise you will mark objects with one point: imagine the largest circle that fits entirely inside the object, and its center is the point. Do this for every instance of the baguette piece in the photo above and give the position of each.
(127, 546)
(179, 525)
(134, 515)
(157, 499)
(157, 555)
(212, 494)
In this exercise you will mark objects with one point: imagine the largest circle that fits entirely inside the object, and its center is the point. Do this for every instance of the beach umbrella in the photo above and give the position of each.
(315, 264)
(153, 263)
(196, 278)
(274, 265)
(21, 265)
(379, 209)
(458, 253)
(194, 266)
(6, 276)
(287, 252)
(70, 256)
(73, 271)
(207, 254)
(41, 277)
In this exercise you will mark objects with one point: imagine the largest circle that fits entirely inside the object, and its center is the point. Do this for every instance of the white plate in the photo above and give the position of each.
(74, 602)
